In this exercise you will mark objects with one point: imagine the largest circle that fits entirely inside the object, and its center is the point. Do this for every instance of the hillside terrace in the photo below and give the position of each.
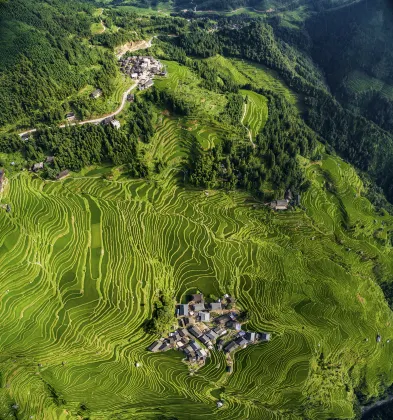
(205, 325)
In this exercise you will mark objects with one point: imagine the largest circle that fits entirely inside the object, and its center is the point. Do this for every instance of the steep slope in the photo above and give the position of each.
(47, 62)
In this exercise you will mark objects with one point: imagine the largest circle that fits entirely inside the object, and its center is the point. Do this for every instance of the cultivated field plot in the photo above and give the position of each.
(256, 112)
(81, 261)
(360, 82)
(262, 77)
(181, 81)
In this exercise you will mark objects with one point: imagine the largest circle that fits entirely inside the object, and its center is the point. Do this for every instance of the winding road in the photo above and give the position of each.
(95, 120)
(98, 120)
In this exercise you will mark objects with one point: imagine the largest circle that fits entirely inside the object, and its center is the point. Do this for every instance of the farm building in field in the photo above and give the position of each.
(279, 205)
(96, 93)
(130, 97)
(63, 175)
(155, 346)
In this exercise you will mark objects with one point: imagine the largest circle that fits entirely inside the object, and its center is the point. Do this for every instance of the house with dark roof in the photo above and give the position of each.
(108, 120)
(165, 346)
(232, 346)
(234, 325)
(184, 332)
(183, 310)
(223, 319)
(194, 345)
(250, 337)
(212, 335)
(155, 346)
(195, 331)
(264, 336)
(241, 342)
(220, 331)
(204, 339)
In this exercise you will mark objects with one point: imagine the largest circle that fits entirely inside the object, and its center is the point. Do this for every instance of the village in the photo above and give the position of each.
(203, 325)
(142, 70)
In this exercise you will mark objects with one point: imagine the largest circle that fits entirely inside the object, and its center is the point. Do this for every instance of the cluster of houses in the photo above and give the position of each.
(205, 325)
(288, 199)
(142, 70)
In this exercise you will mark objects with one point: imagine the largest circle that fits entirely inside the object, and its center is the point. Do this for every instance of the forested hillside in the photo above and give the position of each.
(46, 59)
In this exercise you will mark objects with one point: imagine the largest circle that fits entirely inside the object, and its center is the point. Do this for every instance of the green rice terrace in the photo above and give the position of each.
(83, 259)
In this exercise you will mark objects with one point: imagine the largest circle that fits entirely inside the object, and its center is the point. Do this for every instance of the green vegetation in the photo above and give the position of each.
(300, 275)
(360, 82)
(255, 112)
(163, 318)
(91, 266)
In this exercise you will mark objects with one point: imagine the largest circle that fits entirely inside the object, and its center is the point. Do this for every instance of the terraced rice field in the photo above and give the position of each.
(181, 81)
(262, 77)
(256, 112)
(360, 82)
(82, 260)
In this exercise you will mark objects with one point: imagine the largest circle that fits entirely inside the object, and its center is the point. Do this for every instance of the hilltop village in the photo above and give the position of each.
(203, 325)
(142, 70)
